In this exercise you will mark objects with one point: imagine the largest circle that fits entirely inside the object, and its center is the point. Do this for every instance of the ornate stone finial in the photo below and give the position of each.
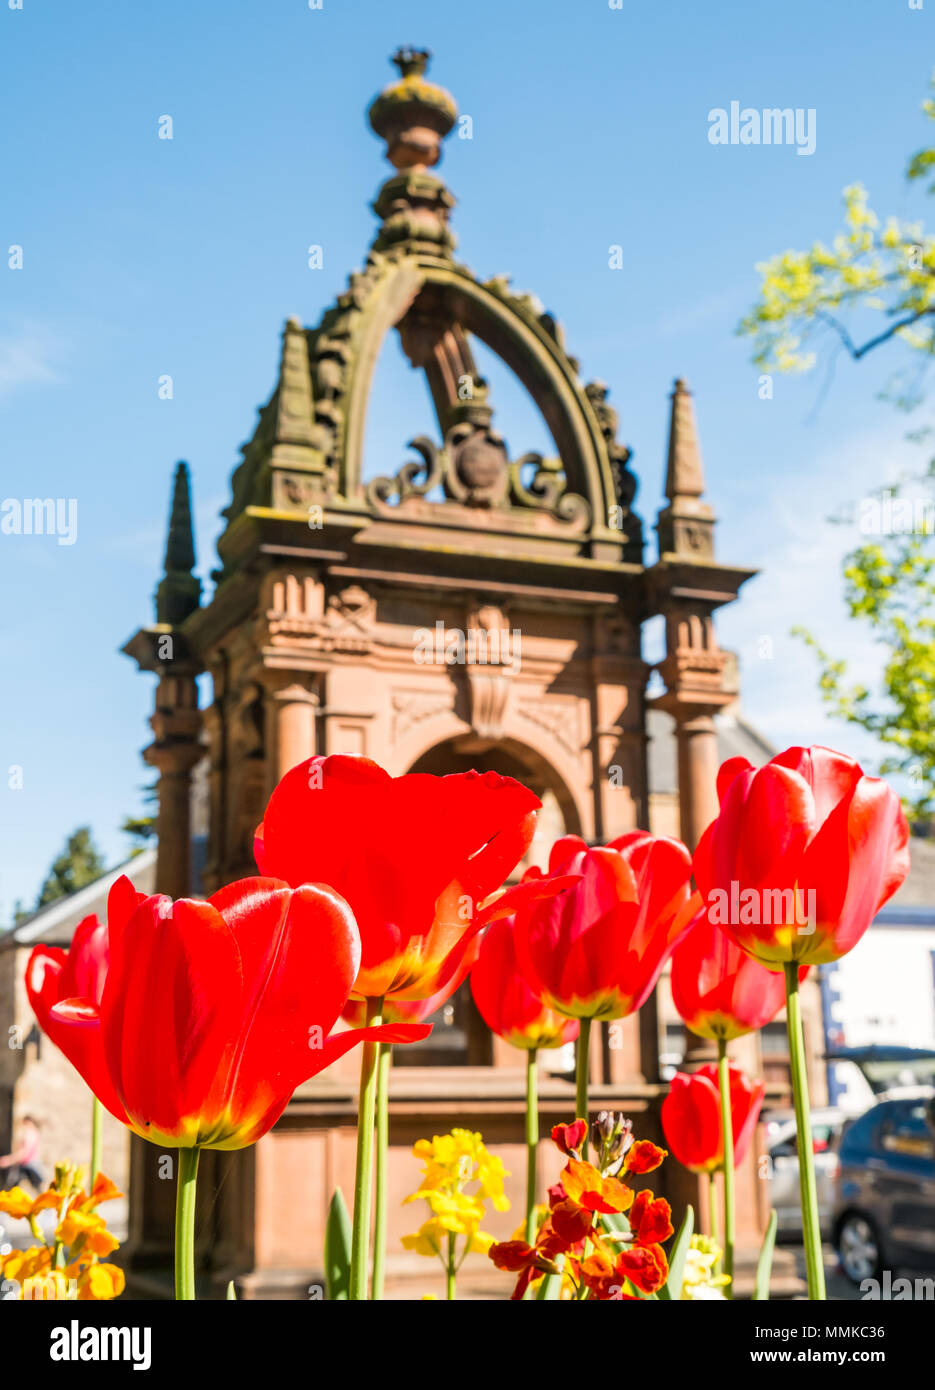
(686, 525)
(412, 115)
(411, 60)
(684, 470)
(179, 591)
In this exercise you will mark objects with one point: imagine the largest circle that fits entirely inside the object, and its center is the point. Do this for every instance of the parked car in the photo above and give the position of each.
(884, 1203)
(783, 1169)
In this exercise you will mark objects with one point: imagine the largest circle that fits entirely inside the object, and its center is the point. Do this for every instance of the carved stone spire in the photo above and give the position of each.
(295, 423)
(413, 116)
(686, 525)
(179, 591)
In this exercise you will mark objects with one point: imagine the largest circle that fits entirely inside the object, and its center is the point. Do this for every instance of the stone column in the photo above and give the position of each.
(696, 740)
(174, 753)
(176, 749)
(292, 709)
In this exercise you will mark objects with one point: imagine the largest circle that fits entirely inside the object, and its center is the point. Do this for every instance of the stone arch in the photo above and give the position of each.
(510, 757)
(528, 343)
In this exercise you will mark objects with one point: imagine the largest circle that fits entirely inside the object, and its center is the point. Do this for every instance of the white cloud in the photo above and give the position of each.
(27, 358)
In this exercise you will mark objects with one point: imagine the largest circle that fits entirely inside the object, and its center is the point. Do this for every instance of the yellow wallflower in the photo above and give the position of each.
(69, 1265)
(459, 1175)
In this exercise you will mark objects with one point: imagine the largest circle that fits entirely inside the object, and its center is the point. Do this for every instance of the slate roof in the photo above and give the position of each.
(55, 924)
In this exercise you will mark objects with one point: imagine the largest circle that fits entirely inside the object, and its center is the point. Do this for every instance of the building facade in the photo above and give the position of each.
(467, 608)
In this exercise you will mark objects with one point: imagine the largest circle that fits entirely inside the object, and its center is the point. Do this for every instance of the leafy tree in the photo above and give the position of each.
(79, 863)
(873, 286)
(142, 828)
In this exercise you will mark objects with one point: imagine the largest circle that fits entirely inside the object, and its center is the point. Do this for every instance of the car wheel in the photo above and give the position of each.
(858, 1247)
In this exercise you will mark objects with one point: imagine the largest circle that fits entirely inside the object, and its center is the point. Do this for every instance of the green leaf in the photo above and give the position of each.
(672, 1288)
(337, 1248)
(764, 1264)
(231, 1291)
(549, 1288)
(616, 1222)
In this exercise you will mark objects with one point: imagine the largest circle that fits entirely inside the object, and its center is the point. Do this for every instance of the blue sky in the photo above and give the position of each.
(144, 256)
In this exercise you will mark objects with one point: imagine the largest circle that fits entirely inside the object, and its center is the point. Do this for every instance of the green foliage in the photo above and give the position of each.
(889, 586)
(764, 1265)
(550, 1288)
(337, 1248)
(887, 272)
(672, 1288)
(79, 864)
(141, 830)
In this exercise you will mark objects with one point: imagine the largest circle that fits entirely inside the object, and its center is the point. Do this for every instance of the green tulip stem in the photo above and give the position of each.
(97, 1115)
(712, 1208)
(185, 1224)
(363, 1177)
(532, 1141)
(383, 1131)
(727, 1135)
(451, 1268)
(808, 1191)
(581, 1079)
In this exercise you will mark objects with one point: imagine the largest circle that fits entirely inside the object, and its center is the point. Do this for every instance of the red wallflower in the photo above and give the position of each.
(573, 1226)
(213, 1012)
(597, 949)
(415, 857)
(802, 855)
(509, 1003)
(691, 1117)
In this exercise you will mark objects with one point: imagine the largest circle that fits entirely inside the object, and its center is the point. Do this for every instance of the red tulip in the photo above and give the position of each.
(53, 975)
(691, 1117)
(509, 1004)
(718, 989)
(596, 951)
(415, 857)
(409, 1010)
(213, 1012)
(802, 855)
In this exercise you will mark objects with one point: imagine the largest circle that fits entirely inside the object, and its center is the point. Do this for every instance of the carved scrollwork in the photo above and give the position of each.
(413, 479)
(546, 489)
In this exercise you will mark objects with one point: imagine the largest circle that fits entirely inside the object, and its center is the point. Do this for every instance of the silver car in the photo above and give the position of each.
(783, 1170)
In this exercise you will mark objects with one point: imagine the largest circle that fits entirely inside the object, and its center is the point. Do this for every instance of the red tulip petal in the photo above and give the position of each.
(746, 1100)
(564, 849)
(831, 776)
(88, 960)
(77, 1023)
(866, 846)
(691, 1121)
(394, 846)
(728, 770)
(300, 952)
(122, 902)
(337, 1044)
(778, 819)
(171, 1013)
(44, 971)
